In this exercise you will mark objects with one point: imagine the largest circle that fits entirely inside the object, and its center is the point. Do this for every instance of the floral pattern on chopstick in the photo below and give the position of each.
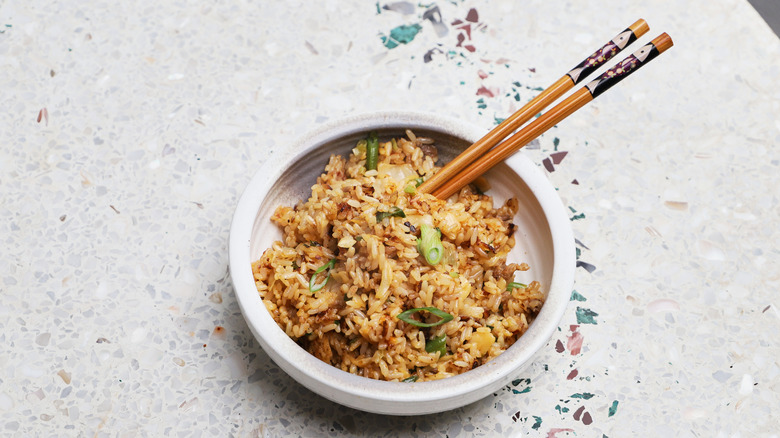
(599, 57)
(622, 69)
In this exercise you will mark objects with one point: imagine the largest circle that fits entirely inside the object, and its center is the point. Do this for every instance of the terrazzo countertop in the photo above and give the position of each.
(130, 128)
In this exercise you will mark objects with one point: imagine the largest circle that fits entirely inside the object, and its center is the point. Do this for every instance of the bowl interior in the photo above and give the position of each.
(533, 239)
(543, 239)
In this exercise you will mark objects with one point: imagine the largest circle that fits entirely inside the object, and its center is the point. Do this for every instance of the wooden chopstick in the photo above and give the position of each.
(537, 104)
(559, 112)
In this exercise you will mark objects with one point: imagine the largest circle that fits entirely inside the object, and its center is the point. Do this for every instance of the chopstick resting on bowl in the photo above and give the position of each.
(537, 104)
(552, 117)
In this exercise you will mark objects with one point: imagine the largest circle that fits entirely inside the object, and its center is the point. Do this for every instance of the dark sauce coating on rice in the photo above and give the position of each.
(352, 321)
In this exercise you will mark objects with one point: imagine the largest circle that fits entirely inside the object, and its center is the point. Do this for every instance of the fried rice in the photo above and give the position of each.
(349, 266)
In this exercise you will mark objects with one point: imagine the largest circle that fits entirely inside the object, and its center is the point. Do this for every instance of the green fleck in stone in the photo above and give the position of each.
(403, 34)
(583, 395)
(613, 408)
(586, 316)
(519, 381)
(575, 296)
(537, 423)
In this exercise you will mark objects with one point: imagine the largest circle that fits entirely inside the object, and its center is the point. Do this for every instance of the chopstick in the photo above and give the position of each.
(537, 104)
(559, 112)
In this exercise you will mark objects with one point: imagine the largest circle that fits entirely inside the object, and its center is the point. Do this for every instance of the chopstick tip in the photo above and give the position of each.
(663, 42)
(640, 27)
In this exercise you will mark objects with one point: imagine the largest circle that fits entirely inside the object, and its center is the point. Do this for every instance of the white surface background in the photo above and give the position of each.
(117, 316)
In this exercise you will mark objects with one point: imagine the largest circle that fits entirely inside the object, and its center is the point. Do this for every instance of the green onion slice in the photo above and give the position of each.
(412, 184)
(372, 151)
(438, 343)
(515, 285)
(429, 244)
(315, 287)
(410, 379)
(393, 212)
(407, 317)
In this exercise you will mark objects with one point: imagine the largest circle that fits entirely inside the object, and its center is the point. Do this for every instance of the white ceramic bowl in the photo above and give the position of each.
(544, 240)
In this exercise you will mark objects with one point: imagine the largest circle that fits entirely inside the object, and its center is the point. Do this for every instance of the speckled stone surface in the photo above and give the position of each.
(129, 129)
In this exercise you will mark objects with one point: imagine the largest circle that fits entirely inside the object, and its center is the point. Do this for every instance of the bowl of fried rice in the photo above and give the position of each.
(385, 299)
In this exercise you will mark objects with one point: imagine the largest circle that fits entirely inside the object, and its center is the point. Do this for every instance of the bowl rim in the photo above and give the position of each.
(382, 396)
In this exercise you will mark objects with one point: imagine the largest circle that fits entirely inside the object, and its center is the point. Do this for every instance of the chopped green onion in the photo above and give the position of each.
(358, 238)
(410, 379)
(393, 212)
(407, 317)
(454, 274)
(372, 151)
(315, 287)
(438, 343)
(412, 184)
(429, 244)
(515, 285)
(395, 144)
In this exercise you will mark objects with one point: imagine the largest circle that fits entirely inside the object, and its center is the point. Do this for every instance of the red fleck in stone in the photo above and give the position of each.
(574, 343)
(553, 433)
(470, 48)
(467, 28)
(586, 418)
(557, 157)
(559, 346)
(572, 374)
(472, 16)
(548, 165)
(578, 413)
(482, 74)
(575, 182)
(484, 91)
